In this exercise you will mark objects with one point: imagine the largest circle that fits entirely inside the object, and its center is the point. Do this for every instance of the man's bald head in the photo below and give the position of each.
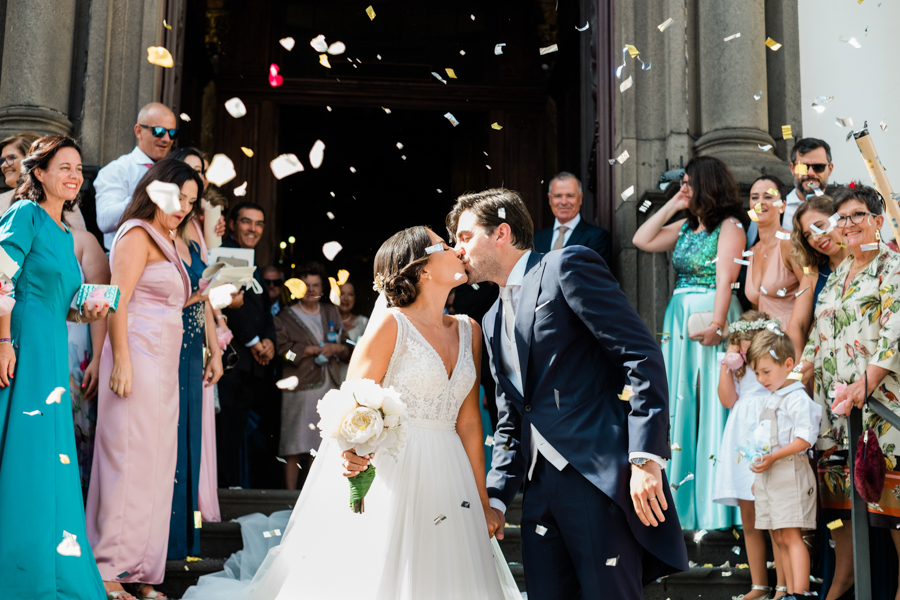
(155, 115)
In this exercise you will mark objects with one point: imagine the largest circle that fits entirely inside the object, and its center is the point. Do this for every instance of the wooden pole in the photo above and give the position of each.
(876, 172)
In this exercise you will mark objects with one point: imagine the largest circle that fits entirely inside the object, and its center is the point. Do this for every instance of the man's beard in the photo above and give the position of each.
(486, 269)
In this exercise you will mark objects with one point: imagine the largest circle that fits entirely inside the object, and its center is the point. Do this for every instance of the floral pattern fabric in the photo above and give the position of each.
(851, 330)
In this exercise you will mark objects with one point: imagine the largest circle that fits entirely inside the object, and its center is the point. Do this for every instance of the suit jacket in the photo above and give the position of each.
(596, 238)
(579, 342)
(247, 322)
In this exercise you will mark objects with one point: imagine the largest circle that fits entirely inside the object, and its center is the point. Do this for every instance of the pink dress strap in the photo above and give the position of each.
(167, 246)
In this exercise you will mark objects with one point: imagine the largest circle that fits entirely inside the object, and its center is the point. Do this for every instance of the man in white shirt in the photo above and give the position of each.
(569, 229)
(155, 131)
(564, 342)
(815, 157)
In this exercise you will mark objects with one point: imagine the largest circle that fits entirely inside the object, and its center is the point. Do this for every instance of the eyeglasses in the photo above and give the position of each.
(158, 131)
(9, 158)
(856, 218)
(273, 282)
(818, 167)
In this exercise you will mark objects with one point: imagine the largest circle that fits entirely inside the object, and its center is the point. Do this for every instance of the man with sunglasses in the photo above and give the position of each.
(155, 131)
(815, 156)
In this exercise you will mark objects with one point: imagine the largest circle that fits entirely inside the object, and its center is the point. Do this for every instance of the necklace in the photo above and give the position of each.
(315, 312)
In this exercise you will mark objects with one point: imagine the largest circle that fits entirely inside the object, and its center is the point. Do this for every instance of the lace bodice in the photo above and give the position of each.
(418, 373)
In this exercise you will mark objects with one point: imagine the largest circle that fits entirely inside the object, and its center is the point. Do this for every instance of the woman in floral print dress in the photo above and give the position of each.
(854, 339)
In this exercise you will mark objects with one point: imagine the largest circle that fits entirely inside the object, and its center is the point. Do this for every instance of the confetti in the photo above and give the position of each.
(241, 190)
(323, 60)
(220, 170)
(434, 248)
(556, 395)
(619, 159)
(236, 108)
(273, 533)
(783, 235)
(626, 84)
(275, 79)
(32, 413)
(438, 77)
(312, 427)
(772, 352)
(757, 96)
(700, 535)
(540, 530)
(159, 56)
(585, 28)
(451, 118)
(462, 52)
(287, 43)
(337, 48)
(473, 17)
(549, 49)
(736, 535)
(736, 285)
(489, 441)
(328, 108)
(331, 249)
(220, 296)
(371, 12)
(727, 573)
(864, 248)
(439, 519)
(746, 263)
(458, 276)
(343, 276)
(64, 459)
(626, 394)
(781, 292)
(185, 117)
(317, 154)
(69, 545)
(612, 562)
(628, 193)
(297, 288)
(56, 394)
(801, 169)
(632, 51)
(665, 24)
(752, 214)
(646, 204)
(763, 290)
(123, 574)
(285, 165)
(167, 197)
(319, 44)
(676, 447)
(786, 132)
(732, 37)
(451, 73)
(765, 148)
(289, 383)
(836, 524)
(353, 169)
(281, 460)
(501, 212)
(290, 355)
(198, 524)
(852, 41)
(772, 44)
(883, 126)
(713, 261)
(498, 49)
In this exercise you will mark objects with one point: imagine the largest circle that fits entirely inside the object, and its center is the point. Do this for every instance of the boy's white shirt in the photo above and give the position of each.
(798, 417)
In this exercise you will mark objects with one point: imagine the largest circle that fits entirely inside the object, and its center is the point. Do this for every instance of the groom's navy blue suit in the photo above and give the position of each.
(579, 343)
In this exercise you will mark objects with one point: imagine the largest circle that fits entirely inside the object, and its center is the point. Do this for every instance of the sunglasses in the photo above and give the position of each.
(158, 131)
(273, 282)
(818, 167)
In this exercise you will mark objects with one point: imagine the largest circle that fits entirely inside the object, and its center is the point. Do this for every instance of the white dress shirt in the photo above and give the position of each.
(509, 366)
(114, 185)
(791, 204)
(556, 225)
(797, 417)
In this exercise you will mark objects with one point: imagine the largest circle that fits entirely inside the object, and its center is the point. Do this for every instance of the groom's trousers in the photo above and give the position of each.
(587, 550)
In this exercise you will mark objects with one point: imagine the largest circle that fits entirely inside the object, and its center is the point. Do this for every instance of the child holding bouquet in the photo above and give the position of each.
(741, 393)
(785, 485)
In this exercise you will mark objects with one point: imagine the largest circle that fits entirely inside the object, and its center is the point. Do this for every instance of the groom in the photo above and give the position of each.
(598, 519)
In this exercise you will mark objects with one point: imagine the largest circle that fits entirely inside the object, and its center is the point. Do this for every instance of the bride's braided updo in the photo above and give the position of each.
(399, 263)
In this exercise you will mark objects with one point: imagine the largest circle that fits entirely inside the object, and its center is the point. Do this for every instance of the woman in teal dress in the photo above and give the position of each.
(44, 552)
(706, 245)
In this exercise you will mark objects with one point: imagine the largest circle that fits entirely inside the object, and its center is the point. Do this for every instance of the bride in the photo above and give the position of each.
(425, 529)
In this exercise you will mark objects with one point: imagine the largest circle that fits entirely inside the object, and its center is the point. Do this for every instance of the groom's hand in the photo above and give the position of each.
(647, 493)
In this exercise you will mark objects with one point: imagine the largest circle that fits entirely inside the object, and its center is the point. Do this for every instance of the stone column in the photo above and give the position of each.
(37, 70)
(732, 123)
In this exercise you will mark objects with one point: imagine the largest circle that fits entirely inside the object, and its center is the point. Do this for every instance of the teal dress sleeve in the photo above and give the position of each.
(18, 228)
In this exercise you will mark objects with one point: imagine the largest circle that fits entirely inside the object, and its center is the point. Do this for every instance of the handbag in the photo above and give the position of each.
(699, 321)
(869, 469)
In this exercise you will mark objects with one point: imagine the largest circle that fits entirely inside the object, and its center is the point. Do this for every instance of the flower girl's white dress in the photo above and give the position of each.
(423, 534)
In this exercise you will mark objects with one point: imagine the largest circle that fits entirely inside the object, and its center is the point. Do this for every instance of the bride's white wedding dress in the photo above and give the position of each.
(423, 534)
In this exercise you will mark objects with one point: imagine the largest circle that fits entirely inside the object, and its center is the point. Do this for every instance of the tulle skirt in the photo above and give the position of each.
(423, 535)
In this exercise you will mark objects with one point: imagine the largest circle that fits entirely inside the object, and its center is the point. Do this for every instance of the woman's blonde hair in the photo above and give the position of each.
(803, 252)
(737, 337)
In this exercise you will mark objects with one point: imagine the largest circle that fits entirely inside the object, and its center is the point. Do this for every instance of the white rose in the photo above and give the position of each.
(391, 421)
(366, 392)
(392, 404)
(362, 425)
(333, 408)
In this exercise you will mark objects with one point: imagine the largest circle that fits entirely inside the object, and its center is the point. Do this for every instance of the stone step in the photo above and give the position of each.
(180, 574)
(714, 583)
(718, 546)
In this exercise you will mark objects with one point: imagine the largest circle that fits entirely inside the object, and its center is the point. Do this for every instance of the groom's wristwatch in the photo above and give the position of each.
(639, 462)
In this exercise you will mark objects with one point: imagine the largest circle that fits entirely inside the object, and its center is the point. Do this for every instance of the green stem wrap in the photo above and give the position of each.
(359, 487)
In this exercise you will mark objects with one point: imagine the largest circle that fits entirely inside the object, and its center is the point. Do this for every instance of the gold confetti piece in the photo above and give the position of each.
(289, 383)
(371, 12)
(836, 524)
(612, 562)
(285, 165)
(772, 44)
(247, 151)
(626, 394)
(220, 170)
(317, 154)
(159, 56)
(342, 276)
(297, 288)
(337, 48)
(240, 190)
(540, 530)
(752, 214)
(757, 207)
(628, 193)
(450, 73)
(549, 49)
(736, 535)
(236, 108)
(676, 448)
(496, 126)
(331, 249)
(64, 459)
(287, 43)
(69, 545)
(662, 26)
(772, 192)
(56, 395)
(795, 376)
(193, 559)
(801, 169)
(732, 37)
(323, 60)
(273, 533)
(166, 25)
(198, 520)
(786, 132)
(632, 51)
(626, 84)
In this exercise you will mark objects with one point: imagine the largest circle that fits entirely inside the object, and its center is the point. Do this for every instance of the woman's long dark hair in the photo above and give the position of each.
(39, 156)
(715, 196)
(167, 170)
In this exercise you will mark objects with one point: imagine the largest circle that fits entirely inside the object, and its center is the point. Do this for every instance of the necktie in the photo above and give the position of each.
(509, 318)
(558, 244)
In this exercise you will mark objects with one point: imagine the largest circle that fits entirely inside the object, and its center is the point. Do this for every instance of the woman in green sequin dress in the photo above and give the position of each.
(705, 246)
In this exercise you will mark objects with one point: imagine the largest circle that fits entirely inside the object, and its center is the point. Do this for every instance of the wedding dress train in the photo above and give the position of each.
(423, 533)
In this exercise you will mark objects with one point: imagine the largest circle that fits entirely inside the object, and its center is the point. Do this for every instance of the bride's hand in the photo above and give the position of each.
(353, 464)
(495, 522)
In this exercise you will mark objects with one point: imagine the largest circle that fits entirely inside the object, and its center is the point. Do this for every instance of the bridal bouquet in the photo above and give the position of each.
(367, 418)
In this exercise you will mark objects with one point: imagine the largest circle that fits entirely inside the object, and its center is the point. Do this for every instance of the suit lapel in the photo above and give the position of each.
(578, 234)
(531, 287)
(496, 340)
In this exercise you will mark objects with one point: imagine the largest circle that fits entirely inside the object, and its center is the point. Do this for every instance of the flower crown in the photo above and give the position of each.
(379, 283)
(745, 326)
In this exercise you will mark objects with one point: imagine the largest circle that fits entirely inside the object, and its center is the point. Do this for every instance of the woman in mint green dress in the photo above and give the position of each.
(44, 552)
(705, 248)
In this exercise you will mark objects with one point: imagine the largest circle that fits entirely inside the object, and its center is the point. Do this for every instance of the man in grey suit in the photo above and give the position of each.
(569, 229)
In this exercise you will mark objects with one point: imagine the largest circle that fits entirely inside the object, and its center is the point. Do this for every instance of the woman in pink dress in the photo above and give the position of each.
(130, 496)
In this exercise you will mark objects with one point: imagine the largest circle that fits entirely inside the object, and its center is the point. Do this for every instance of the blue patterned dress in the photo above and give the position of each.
(697, 417)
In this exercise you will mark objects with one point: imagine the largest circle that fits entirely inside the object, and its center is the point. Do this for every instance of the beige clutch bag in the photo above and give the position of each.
(699, 321)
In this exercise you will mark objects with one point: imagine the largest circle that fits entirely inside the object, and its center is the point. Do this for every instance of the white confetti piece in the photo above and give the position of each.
(458, 276)
(489, 441)
(700, 535)
(290, 355)
(289, 383)
(353, 169)
(32, 413)
(281, 460)
(434, 248)
(337, 48)
(313, 452)
(498, 49)
(883, 126)
(556, 396)
(220, 170)
(331, 249)
(549, 49)
(854, 43)
(688, 477)
(241, 190)
(665, 24)
(166, 196)
(451, 118)
(781, 292)
(439, 519)
(317, 154)
(676, 447)
(746, 263)
(747, 253)
(220, 296)
(765, 148)
(646, 204)
(287, 43)
(438, 77)
(462, 52)
(540, 530)
(626, 84)
(56, 395)
(64, 459)
(312, 427)
(185, 117)
(783, 235)
(330, 215)
(869, 247)
(319, 44)
(619, 159)
(732, 37)
(501, 212)
(585, 28)
(236, 108)
(612, 562)
(763, 290)
(848, 122)
(69, 545)
(736, 285)
(285, 165)
(628, 193)
(273, 533)
(797, 295)
(399, 146)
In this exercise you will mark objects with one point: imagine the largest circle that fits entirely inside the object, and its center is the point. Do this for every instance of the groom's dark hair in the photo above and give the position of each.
(493, 207)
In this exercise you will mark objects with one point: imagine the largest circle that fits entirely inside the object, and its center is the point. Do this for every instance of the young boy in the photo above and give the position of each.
(785, 485)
